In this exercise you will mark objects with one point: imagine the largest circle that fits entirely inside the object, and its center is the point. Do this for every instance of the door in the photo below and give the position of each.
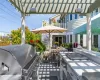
(60, 41)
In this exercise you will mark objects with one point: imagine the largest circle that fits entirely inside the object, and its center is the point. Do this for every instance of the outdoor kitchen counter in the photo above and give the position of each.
(81, 66)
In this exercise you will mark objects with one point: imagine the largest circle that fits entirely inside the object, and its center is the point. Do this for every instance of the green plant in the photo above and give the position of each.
(67, 45)
(70, 45)
(62, 45)
(40, 47)
(56, 43)
(16, 36)
(95, 49)
(38, 44)
(30, 38)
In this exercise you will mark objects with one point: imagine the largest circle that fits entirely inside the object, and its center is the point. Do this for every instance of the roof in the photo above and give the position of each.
(55, 6)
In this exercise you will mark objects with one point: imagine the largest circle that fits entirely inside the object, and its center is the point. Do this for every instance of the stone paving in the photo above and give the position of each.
(48, 71)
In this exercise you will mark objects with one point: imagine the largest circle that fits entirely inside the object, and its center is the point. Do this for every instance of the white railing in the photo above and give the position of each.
(79, 22)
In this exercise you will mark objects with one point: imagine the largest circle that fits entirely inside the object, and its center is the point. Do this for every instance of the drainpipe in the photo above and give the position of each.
(23, 28)
(88, 31)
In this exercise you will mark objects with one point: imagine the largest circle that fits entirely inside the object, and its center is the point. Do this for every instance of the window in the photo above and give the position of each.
(96, 11)
(61, 23)
(64, 39)
(67, 18)
(70, 38)
(96, 41)
(56, 39)
(81, 39)
(81, 16)
(75, 16)
(76, 38)
(92, 14)
(70, 16)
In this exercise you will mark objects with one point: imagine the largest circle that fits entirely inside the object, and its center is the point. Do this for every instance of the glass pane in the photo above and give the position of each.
(96, 41)
(70, 38)
(81, 40)
(97, 11)
(75, 16)
(70, 16)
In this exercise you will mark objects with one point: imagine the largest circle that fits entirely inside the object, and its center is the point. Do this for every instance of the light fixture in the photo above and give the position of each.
(78, 10)
(32, 10)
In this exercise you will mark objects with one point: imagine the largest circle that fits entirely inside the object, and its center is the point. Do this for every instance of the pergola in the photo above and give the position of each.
(84, 7)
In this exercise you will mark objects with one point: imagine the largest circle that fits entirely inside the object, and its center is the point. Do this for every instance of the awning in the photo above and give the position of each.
(55, 6)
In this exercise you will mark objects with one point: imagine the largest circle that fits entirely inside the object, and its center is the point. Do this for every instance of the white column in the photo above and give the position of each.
(99, 9)
(88, 31)
(99, 42)
(78, 16)
(69, 38)
(51, 40)
(23, 29)
(94, 13)
(92, 40)
(61, 23)
(84, 40)
(73, 16)
(73, 38)
(78, 38)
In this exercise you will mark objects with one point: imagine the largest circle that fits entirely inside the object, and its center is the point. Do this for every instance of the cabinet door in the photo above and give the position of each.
(68, 76)
(71, 73)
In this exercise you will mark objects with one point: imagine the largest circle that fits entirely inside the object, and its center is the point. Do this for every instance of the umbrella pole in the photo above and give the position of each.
(49, 42)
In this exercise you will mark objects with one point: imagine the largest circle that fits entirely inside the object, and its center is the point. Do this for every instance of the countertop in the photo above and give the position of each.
(81, 66)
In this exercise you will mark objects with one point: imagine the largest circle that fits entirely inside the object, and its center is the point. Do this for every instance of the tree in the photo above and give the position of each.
(30, 38)
(4, 40)
(16, 36)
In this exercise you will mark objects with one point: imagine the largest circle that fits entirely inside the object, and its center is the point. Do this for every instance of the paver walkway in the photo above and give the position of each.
(48, 71)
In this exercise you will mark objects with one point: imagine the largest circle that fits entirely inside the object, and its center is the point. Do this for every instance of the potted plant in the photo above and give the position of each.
(56, 44)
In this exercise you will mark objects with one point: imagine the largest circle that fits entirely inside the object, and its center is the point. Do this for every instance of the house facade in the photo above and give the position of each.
(76, 29)
(76, 25)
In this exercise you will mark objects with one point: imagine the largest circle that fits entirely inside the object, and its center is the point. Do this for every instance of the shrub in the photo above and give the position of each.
(39, 45)
(56, 43)
(67, 45)
(95, 49)
(62, 45)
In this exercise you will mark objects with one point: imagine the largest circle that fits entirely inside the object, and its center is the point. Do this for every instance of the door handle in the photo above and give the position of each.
(4, 68)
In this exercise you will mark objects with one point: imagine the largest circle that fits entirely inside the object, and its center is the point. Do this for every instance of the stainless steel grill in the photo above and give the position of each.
(18, 62)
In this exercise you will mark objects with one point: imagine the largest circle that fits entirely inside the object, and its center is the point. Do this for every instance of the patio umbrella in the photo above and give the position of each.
(49, 29)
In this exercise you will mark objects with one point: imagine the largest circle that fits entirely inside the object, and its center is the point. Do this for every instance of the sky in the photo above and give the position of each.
(10, 18)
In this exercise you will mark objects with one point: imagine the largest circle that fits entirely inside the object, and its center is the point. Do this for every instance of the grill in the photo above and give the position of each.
(76, 56)
(18, 62)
